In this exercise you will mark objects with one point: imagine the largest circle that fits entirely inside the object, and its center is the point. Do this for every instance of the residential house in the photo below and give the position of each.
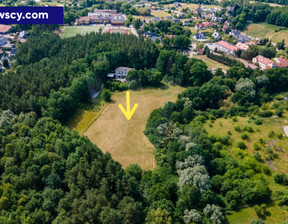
(152, 36)
(23, 34)
(200, 51)
(208, 24)
(242, 47)
(177, 4)
(200, 36)
(216, 36)
(226, 28)
(264, 63)
(240, 37)
(4, 29)
(118, 20)
(281, 62)
(3, 40)
(226, 47)
(155, 19)
(200, 26)
(186, 23)
(121, 72)
(198, 10)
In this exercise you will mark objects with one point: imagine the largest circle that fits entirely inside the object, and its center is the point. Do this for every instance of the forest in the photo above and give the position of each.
(51, 80)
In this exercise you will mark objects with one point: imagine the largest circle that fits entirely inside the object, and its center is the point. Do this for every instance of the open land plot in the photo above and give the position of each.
(224, 127)
(212, 63)
(265, 30)
(124, 139)
(71, 31)
(160, 13)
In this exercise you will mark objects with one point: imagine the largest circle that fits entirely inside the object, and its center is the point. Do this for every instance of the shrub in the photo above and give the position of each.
(248, 128)
(281, 178)
(237, 128)
(234, 119)
(133, 84)
(106, 95)
(265, 113)
(279, 113)
(266, 170)
(240, 144)
(258, 122)
(244, 136)
(271, 134)
(256, 146)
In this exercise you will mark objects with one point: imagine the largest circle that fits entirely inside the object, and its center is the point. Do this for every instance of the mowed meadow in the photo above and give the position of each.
(265, 30)
(123, 139)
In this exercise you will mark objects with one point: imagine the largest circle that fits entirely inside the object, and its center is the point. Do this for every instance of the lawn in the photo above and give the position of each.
(262, 30)
(211, 63)
(124, 139)
(160, 13)
(71, 31)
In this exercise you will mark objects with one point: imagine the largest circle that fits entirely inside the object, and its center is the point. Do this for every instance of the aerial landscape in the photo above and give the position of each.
(145, 112)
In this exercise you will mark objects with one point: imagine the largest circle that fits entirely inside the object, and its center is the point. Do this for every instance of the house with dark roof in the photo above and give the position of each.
(200, 36)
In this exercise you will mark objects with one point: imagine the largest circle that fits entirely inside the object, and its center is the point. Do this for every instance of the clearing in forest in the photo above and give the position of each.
(71, 31)
(124, 139)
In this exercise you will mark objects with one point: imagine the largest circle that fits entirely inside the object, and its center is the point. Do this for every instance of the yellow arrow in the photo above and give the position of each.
(128, 114)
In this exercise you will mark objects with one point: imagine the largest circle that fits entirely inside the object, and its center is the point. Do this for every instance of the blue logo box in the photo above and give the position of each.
(31, 15)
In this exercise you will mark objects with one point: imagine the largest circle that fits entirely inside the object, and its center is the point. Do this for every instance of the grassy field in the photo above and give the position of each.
(71, 31)
(262, 30)
(211, 63)
(160, 13)
(124, 139)
(224, 127)
(83, 118)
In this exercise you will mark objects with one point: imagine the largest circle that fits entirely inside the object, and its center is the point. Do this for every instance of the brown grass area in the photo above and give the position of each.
(124, 139)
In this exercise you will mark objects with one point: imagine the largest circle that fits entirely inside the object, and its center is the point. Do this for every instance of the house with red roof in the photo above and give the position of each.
(281, 62)
(264, 63)
(200, 26)
(226, 47)
(4, 29)
(242, 47)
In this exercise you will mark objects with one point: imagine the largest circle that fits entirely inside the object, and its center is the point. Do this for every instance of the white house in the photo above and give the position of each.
(121, 72)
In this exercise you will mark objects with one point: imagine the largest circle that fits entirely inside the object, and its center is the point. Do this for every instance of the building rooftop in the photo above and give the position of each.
(227, 45)
(4, 28)
(242, 46)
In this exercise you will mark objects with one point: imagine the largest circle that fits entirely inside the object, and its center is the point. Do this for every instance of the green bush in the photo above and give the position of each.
(265, 113)
(258, 122)
(256, 146)
(280, 178)
(240, 144)
(244, 136)
(106, 95)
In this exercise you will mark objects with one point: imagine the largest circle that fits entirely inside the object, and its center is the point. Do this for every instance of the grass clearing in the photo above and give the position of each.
(265, 30)
(70, 31)
(124, 139)
(160, 13)
(211, 63)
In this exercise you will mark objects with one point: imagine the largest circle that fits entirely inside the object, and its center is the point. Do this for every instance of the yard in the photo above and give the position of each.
(211, 63)
(70, 31)
(124, 139)
(262, 30)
